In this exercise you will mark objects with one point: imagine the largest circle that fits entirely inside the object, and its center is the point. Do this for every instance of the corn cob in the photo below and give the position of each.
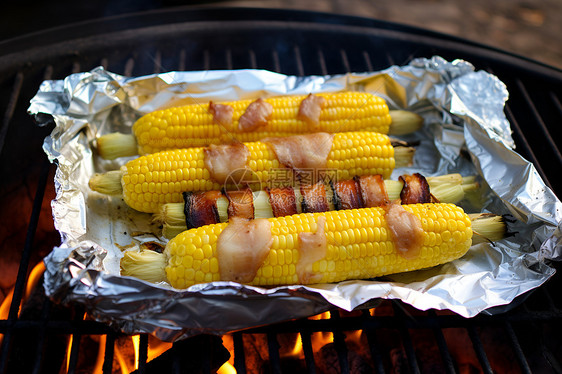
(195, 125)
(449, 188)
(360, 245)
(152, 180)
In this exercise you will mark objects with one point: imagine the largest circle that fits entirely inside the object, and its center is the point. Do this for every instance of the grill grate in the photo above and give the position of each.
(291, 43)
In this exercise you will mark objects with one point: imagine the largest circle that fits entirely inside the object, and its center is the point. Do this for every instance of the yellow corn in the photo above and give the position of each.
(152, 180)
(359, 246)
(193, 125)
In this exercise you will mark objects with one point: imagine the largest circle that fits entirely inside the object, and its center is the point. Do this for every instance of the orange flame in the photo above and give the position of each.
(5, 307)
(297, 348)
(136, 343)
(68, 350)
(32, 281)
(98, 367)
(122, 361)
(34, 277)
(228, 367)
(156, 348)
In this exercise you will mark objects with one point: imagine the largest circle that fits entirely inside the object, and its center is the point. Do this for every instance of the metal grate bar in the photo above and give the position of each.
(298, 60)
(206, 59)
(345, 60)
(9, 113)
(158, 68)
(182, 60)
(109, 353)
(253, 59)
(228, 58)
(522, 141)
(479, 349)
(373, 345)
(538, 118)
(556, 102)
(276, 61)
(322, 61)
(41, 345)
(143, 353)
(339, 343)
(368, 62)
(406, 338)
(520, 355)
(56, 326)
(307, 349)
(239, 356)
(389, 58)
(129, 66)
(74, 352)
(442, 345)
(206, 355)
(273, 350)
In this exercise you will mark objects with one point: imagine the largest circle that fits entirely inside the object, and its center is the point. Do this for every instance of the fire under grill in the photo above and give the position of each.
(40, 336)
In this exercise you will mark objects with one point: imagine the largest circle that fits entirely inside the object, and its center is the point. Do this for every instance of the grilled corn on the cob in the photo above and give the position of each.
(152, 180)
(359, 244)
(199, 125)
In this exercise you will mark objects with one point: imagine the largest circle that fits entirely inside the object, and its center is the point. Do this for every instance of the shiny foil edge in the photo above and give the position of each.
(463, 111)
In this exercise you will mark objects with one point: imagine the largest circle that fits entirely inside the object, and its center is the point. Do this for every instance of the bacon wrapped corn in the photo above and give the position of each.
(203, 208)
(199, 125)
(311, 248)
(152, 180)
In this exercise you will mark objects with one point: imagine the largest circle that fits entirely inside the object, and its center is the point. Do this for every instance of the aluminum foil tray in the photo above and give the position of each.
(465, 131)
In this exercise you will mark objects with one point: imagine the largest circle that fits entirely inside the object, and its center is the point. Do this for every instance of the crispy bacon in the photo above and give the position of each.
(283, 201)
(222, 114)
(310, 109)
(301, 152)
(200, 208)
(347, 195)
(240, 204)
(314, 198)
(405, 230)
(373, 190)
(415, 190)
(312, 247)
(242, 247)
(222, 160)
(257, 114)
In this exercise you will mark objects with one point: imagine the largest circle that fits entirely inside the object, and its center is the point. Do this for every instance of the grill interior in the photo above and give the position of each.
(295, 43)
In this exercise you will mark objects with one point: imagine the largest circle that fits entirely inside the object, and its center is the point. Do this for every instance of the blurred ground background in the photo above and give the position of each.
(530, 28)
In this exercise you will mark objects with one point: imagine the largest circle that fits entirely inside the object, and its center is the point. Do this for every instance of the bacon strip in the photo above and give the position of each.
(312, 247)
(283, 201)
(222, 160)
(310, 109)
(405, 230)
(373, 190)
(415, 190)
(257, 114)
(242, 247)
(347, 195)
(314, 198)
(200, 208)
(300, 152)
(222, 114)
(240, 204)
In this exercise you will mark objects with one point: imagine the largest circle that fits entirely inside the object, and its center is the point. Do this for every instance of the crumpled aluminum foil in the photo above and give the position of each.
(463, 111)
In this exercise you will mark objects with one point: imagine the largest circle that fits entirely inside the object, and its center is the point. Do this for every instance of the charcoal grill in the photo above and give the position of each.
(289, 42)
